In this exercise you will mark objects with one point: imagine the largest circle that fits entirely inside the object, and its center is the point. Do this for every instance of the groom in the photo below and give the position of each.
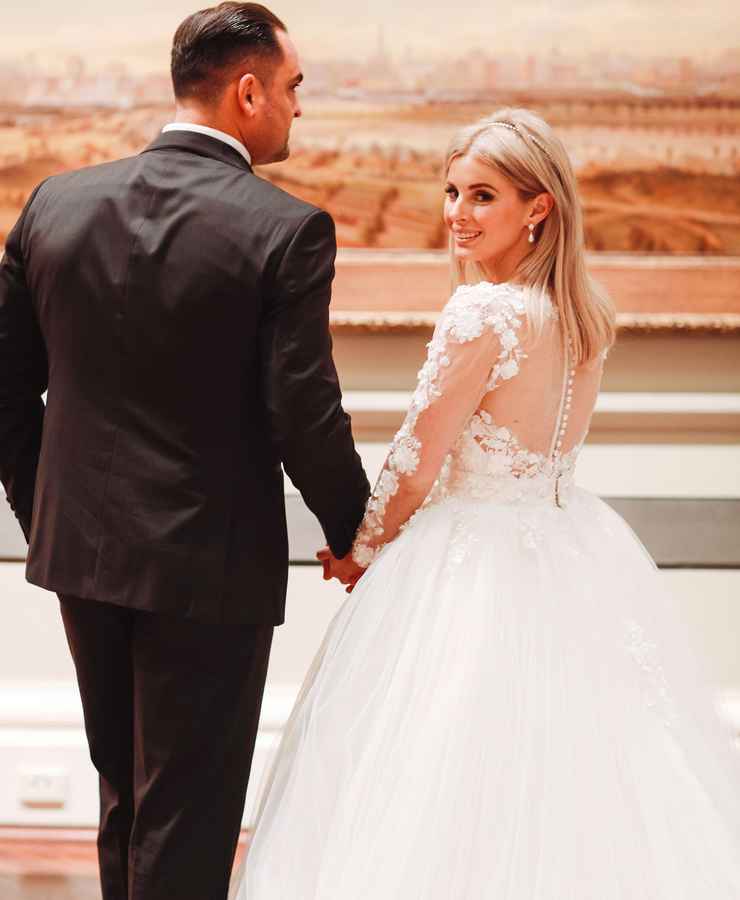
(176, 307)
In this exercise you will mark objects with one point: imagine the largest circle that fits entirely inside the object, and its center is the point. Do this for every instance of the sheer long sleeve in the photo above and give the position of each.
(475, 346)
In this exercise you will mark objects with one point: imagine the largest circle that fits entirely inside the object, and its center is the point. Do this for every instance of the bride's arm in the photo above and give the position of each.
(467, 356)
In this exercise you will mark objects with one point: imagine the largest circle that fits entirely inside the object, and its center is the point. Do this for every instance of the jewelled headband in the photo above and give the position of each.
(530, 136)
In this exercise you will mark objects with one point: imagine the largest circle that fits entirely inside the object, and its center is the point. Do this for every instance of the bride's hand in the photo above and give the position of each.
(345, 570)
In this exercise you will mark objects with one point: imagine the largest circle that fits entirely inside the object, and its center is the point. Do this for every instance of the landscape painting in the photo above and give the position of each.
(646, 97)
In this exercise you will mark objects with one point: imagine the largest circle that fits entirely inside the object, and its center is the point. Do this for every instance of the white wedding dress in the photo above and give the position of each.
(506, 707)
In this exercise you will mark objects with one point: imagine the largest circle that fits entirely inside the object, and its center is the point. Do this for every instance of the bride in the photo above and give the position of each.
(505, 707)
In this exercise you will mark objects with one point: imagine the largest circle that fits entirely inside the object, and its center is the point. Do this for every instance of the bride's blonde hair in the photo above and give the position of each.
(523, 148)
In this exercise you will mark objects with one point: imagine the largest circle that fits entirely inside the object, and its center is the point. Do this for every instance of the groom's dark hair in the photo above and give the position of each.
(211, 42)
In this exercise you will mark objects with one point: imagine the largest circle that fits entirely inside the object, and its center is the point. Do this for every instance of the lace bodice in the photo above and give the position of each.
(452, 443)
(488, 461)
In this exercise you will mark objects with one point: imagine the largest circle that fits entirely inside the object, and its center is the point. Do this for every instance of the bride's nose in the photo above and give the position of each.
(457, 213)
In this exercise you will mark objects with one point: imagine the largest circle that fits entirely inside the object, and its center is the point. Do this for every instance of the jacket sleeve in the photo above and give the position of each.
(309, 426)
(23, 379)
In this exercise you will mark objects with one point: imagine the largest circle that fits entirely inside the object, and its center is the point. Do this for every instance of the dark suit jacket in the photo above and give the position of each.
(177, 307)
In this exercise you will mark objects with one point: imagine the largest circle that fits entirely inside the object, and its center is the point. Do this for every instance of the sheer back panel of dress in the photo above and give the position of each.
(528, 405)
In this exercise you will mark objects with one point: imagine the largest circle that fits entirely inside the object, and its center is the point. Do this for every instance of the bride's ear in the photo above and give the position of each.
(541, 208)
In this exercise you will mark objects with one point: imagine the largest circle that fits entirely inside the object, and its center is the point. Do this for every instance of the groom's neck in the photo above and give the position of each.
(197, 115)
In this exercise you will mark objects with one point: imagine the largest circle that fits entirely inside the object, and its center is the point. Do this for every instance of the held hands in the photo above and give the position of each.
(345, 570)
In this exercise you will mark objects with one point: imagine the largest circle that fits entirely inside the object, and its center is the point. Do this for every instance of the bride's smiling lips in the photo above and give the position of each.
(466, 236)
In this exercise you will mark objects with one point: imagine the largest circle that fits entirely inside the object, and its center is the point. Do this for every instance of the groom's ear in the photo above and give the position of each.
(249, 93)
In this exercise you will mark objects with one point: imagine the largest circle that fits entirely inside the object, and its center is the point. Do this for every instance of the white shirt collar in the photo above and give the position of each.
(211, 132)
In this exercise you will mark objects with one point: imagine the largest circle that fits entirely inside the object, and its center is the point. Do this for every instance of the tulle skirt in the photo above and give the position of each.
(506, 707)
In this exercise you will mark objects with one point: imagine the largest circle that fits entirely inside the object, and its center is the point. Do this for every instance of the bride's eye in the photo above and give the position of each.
(483, 197)
(451, 191)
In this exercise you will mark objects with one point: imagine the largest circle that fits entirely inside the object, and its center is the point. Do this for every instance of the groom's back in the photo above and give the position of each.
(158, 484)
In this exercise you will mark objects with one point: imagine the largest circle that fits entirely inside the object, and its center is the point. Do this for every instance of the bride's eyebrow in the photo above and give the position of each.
(482, 184)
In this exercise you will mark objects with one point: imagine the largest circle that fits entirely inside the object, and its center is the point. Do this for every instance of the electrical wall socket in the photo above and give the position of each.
(42, 786)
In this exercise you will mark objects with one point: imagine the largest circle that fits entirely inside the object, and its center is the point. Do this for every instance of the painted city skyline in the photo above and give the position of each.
(73, 79)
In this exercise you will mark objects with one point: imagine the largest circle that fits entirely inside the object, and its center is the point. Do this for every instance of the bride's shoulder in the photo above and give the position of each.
(475, 307)
(487, 296)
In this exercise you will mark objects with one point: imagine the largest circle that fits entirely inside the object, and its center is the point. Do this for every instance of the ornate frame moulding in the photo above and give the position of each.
(360, 275)
(358, 322)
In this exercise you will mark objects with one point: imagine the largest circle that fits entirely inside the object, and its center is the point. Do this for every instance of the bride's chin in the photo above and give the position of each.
(466, 253)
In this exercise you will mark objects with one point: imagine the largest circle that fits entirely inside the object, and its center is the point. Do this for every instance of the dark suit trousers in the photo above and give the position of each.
(171, 712)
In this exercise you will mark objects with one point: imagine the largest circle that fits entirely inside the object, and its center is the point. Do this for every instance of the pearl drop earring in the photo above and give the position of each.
(531, 233)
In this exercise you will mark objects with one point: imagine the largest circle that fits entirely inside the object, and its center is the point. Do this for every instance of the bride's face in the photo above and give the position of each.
(486, 216)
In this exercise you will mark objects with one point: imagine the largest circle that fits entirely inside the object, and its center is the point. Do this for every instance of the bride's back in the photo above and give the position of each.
(529, 404)
(529, 401)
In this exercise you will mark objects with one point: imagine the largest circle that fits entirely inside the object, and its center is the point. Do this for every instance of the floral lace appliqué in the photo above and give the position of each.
(472, 308)
(488, 461)
(464, 538)
(645, 654)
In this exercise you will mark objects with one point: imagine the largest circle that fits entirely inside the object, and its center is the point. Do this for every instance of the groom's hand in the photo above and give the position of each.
(345, 570)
